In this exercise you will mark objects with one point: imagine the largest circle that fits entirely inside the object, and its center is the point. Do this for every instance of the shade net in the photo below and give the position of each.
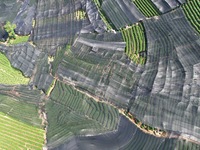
(167, 95)
(167, 5)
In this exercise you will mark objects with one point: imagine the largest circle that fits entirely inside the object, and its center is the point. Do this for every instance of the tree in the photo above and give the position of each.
(9, 28)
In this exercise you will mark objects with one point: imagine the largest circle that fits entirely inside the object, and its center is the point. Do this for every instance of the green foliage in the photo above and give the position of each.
(105, 19)
(135, 42)
(21, 106)
(70, 112)
(13, 38)
(15, 134)
(80, 14)
(19, 39)
(10, 75)
(9, 28)
(147, 7)
(191, 10)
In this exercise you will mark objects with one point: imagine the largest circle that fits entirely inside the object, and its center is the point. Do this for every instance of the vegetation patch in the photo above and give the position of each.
(80, 15)
(147, 7)
(17, 135)
(19, 39)
(70, 112)
(10, 75)
(51, 87)
(22, 105)
(135, 43)
(191, 10)
(9, 28)
(12, 37)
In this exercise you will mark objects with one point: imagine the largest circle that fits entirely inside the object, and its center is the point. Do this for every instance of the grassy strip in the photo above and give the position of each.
(51, 87)
(135, 42)
(19, 39)
(10, 75)
(191, 10)
(147, 8)
(14, 134)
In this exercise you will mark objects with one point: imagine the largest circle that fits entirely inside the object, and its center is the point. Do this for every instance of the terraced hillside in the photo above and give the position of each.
(135, 43)
(98, 67)
(104, 74)
(167, 88)
(165, 6)
(21, 103)
(125, 12)
(17, 135)
(106, 20)
(73, 113)
(20, 125)
(191, 10)
(62, 24)
(147, 7)
(127, 137)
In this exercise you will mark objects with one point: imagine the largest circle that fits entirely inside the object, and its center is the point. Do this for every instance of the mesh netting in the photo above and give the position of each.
(167, 5)
(125, 12)
(22, 56)
(168, 90)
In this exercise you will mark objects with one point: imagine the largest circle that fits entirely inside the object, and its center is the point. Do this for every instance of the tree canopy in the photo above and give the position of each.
(9, 28)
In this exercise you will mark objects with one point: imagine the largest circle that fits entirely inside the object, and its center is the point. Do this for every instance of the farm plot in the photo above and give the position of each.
(10, 75)
(124, 14)
(135, 43)
(147, 7)
(70, 112)
(21, 103)
(17, 135)
(191, 10)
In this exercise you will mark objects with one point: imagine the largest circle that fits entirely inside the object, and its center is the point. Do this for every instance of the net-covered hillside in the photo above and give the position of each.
(97, 64)
(168, 90)
(57, 23)
(167, 5)
(126, 137)
(123, 14)
(101, 74)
